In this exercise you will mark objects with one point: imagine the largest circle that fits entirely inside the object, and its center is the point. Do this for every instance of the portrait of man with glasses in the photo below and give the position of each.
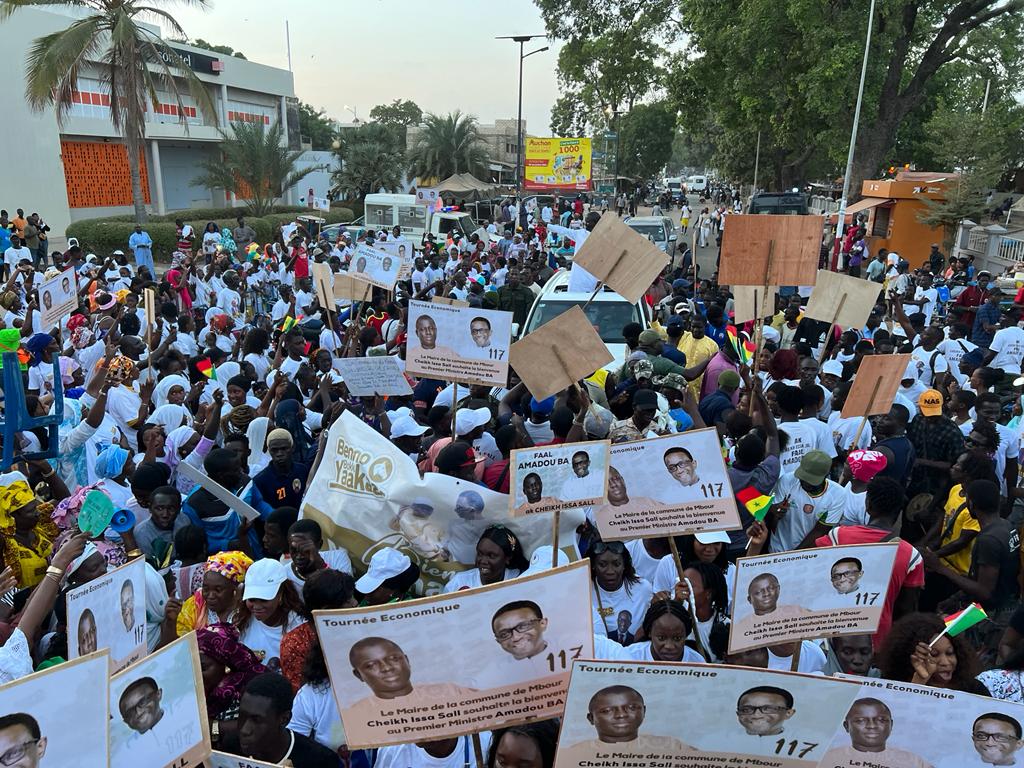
(519, 629)
(22, 744)
(846, 574)
(764, 710)
(997, 739)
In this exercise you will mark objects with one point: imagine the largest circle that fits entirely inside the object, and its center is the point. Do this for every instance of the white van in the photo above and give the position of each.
(384, 211)
(697, 183)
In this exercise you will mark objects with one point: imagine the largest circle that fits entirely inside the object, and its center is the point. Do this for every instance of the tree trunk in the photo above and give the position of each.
(134, 147)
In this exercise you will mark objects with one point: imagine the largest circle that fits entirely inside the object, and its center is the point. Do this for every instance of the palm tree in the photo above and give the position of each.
(135, 63)
(368, 167)
(448, 144)
(255, 165)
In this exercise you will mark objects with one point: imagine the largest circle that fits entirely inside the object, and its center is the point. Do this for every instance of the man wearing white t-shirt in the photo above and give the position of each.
(932, 364)
(955, 347)
(810, 503)
(804, 434)
(925, 298)
(14, 255)
(1007, 348)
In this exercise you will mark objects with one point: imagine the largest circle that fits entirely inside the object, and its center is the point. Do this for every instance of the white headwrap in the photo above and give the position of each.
(165, 385)
(257, 435)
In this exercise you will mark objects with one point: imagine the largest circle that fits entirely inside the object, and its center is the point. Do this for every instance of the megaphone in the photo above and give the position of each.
(123, 520)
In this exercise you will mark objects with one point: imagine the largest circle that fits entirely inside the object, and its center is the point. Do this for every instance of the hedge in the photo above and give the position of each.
(103, 236)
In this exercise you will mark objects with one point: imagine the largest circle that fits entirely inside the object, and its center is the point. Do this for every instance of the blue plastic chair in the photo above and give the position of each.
(17, 418)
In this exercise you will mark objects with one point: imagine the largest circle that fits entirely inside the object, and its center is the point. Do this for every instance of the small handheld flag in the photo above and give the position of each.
(745, 349)
(757, 503)
(206, 368)
(961, 621)
(289, 322)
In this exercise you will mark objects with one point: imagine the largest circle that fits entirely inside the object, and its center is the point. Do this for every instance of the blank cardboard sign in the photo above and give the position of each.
(875, 385)
(351, 289)
(743, 306)
(559, 353)
(624, 260)
(841, 299)
(322, 284)
(745, 241)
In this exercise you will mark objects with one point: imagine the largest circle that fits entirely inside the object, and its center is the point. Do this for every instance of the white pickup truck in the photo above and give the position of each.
(384, 211)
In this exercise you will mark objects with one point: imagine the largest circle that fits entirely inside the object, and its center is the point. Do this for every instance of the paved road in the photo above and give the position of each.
(706, 257)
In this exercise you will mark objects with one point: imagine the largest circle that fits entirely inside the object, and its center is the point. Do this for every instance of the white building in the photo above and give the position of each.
(79, 169)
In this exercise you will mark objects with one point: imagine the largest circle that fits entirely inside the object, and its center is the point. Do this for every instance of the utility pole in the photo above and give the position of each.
(522, 40)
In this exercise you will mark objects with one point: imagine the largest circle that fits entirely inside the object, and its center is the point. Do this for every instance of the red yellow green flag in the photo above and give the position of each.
(963, 620)
(757, 503)
(206, 368)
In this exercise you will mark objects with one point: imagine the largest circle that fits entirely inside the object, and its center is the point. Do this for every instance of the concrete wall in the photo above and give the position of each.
(180, 166)
(33, 137)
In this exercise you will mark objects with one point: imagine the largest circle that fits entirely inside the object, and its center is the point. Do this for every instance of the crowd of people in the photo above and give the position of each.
(232, 373)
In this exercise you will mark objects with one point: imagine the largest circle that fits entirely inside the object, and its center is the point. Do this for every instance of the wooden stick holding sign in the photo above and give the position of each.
(864, 419)
(478, 751)
(831, 330)
(759, 319)
(149, 306)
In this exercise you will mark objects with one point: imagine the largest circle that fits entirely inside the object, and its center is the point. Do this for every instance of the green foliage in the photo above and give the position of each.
(399, 112)
(369, 167)
(448, 144)
(103, 236)
(254, 165)
(135, 63)
(315, 126)
(645, 139)
(227, 50)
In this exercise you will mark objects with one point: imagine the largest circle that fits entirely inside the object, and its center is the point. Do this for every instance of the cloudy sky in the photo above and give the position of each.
(441, 54)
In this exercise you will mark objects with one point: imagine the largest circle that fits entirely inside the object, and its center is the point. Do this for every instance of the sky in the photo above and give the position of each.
(441, 54)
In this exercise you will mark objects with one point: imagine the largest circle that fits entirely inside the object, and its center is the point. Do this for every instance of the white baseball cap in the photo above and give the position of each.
(385, 564)
(832, 367)
(468, 419)
(540, 560)
(406, 426)
(263, 579)
(712, 537)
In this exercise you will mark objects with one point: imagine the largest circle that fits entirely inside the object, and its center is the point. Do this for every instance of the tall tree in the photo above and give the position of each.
(315, 126)
(370, 165)
(448, 144)
(645, 139)
(255, 165)
(398, 116)
(790, 69)
(135, 66)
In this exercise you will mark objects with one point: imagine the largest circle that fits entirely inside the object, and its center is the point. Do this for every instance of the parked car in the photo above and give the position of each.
(659, 229)
(791, 203)
(609, 313)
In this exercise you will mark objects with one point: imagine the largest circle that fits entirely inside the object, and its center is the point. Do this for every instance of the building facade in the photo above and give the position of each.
(78, 169)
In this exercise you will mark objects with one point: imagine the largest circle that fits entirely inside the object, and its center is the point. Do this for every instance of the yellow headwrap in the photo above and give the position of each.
(231, 565)
(12, 498)
(122, 365)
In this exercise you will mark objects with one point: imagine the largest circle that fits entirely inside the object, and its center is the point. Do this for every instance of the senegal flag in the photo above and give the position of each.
(745, 348)
(206, 368)
(757, 503)
(963, 620)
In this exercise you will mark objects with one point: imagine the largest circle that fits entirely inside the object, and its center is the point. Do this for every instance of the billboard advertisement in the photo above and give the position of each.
(557, 164)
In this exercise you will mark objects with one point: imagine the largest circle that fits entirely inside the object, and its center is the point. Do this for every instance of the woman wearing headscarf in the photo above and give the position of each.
(220, 596)
(171, 390)
(28, 533)
(42, 347)
(170, 417)
(177, 277)
(124, 404)
(227, 667)
(114, 468)
(290, 415)
(185, 445)
(257, 436)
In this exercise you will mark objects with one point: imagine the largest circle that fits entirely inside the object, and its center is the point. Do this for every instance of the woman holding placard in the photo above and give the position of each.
(499, 556)
(620, 596)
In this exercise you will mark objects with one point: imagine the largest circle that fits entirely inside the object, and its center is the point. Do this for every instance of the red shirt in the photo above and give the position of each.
(496, 476)
(907, 569)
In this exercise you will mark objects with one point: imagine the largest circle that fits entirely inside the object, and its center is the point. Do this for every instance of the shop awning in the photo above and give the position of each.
(863, 205)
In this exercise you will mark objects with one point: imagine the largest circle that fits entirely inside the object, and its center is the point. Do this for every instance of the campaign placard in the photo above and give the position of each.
(110, 612)
(809, 593)
(558, 477)
(875, 385)
(348, 288)
(667, 486)
(369, 376)
(158, 710)
(58, 716)
(375, 266)
(58, 296)
(893, 724)
(524, 634)
(697, 716)
(460, 344)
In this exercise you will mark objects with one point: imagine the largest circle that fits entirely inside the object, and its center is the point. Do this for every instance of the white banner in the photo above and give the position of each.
(368, 495)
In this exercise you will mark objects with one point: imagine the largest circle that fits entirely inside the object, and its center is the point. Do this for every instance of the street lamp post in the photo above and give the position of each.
(522, 40)
(613, 121)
